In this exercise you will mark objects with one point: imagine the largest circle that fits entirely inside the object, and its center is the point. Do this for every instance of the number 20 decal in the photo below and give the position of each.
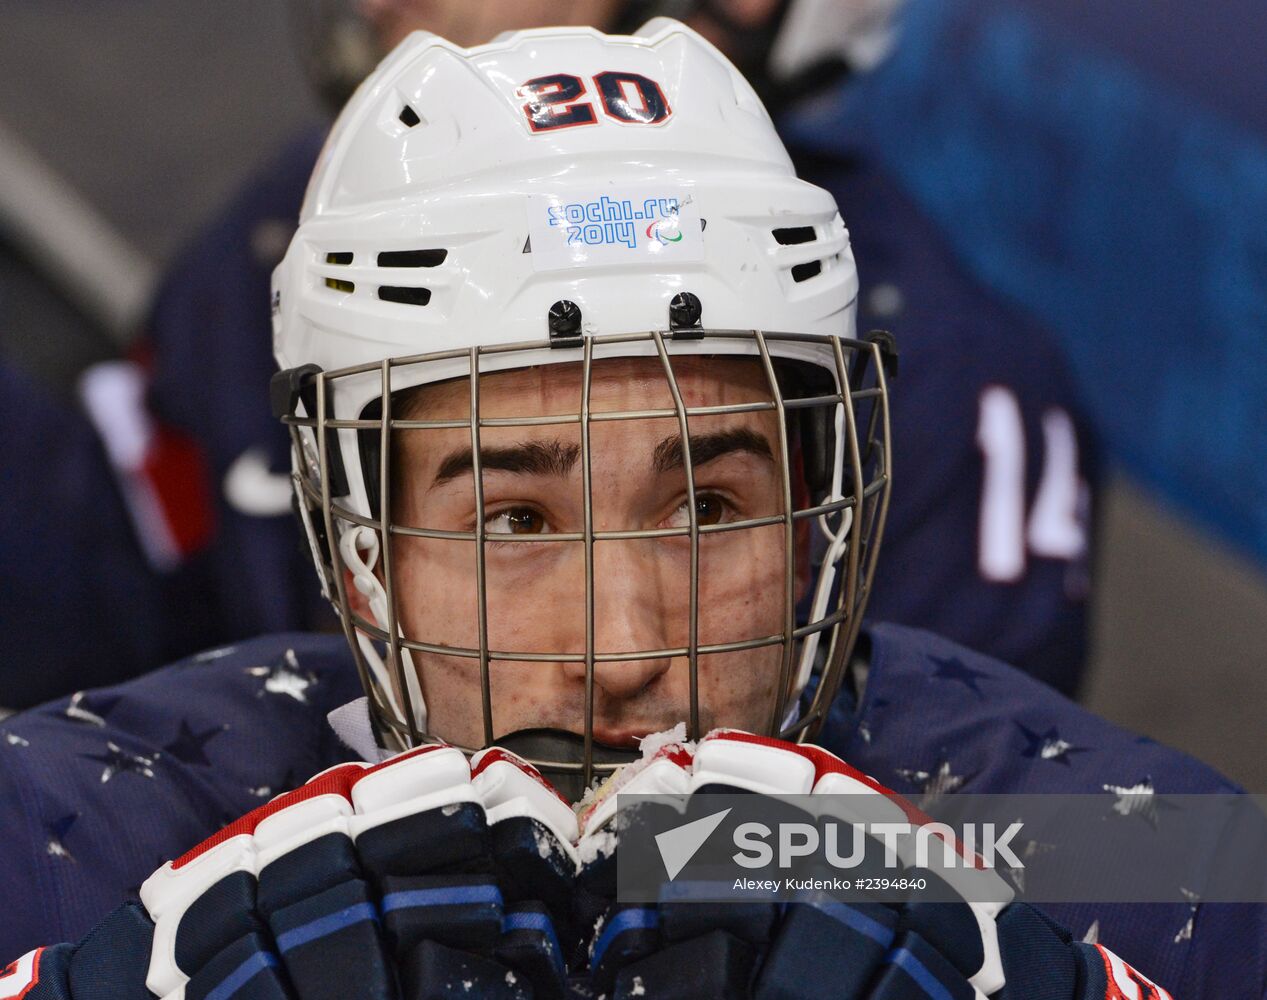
(556, 101)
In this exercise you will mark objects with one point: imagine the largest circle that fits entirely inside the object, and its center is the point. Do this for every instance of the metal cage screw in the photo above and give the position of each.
(564, 321)
(685, 312)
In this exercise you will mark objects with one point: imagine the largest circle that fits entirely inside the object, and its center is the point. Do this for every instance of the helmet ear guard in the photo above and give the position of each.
(292, 388)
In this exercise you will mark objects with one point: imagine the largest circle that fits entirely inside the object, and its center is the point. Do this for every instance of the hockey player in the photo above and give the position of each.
(567, 358)
(998, 564)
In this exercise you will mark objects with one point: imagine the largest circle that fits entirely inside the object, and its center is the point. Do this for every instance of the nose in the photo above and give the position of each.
(631, 613)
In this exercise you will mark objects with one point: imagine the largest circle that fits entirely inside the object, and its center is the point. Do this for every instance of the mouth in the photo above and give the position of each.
(610, 746)
(543, 746)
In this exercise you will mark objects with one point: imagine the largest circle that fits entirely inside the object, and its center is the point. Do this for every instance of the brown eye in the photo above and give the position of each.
(709, 509)
(517, 521)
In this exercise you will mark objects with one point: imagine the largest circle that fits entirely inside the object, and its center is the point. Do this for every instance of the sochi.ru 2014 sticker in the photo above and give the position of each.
(629, 225)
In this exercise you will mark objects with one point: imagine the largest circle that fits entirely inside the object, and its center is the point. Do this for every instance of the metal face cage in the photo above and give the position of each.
(826, 402)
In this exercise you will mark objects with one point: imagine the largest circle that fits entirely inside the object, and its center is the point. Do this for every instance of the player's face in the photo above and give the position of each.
(536, 591)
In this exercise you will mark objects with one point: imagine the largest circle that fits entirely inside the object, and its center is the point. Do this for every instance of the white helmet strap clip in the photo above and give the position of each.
(359, 546)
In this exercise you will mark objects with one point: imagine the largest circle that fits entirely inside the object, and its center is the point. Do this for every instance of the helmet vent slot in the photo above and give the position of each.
(412, 258)
(339, 285)
(803, 272)
(342, 257)
(794, 235)
(405, 296)
(408, 116)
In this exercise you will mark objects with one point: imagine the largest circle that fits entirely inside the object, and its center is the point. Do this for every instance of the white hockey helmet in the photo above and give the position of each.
(563, 196)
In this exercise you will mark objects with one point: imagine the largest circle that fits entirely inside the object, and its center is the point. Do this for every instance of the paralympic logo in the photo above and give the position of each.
(665, 231)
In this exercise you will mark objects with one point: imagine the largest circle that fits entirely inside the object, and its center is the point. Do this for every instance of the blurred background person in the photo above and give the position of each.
(78, 595)
(1103, 165)
(102, 504)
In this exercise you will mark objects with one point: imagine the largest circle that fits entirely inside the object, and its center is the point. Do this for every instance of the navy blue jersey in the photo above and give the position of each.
(97, 791)
(100, 788)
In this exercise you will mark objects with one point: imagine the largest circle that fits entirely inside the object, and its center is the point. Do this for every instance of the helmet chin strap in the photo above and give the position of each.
(359, 547)
(837, 546)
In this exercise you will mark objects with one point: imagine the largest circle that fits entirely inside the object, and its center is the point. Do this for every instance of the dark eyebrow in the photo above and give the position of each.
(707, 447)
(532, 458)
(554, 458)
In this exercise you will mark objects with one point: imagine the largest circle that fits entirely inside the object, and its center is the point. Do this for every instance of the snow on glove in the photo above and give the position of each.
(817, 946)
